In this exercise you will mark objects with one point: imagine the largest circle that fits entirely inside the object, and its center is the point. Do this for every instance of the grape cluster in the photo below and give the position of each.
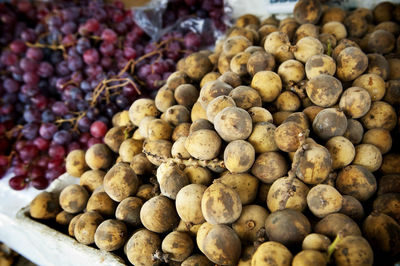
(67, 68)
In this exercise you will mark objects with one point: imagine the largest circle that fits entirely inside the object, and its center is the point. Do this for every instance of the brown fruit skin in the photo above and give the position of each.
(356, 181)
(171, 179)
(250, 222)
(383, 12)
(114, 137)
(230, 78)
(268, 84)
(369, 156)
(73, 198)
(159, 147)
(101, 203)
(288, 136)
(86, 226)
(288, 227)
(164, 99)
(306, 30)
(110, 235)
(307, 11)
(178, 245)
(239, 156)
(75, 163)
(244, 184)
(320, 64)
(341, 45)
(234, 45)
(352, 208)
(315, 163)
(391, 164)
(279, 190)
(120, 182)
(142, 108)
(44, 206)
(355, 102)
(317, 242)
(389, 204)
(158, 214)
(203, 144)
(381, 41)
(333, 14)
(353, 250)
(221, 245)
(377, 64)
(221, 204)
(356, 25)
(323, 200)
(336, 28)
(128, 211)
(217, 105)
(186, 95)
(389, 184)
(392, 95)
(383, 232)
(342, 151)
(141, 247)
(197, 259)
(260, 61)
(351, 63)
(271, 253)
(92, 179)
(309, 258)
(72, 223)
(270, 166)
(188, 203)
(64, 218)
(324, 90)
(246, 97)
(329, 123)
(380, 115)
(212, 90)
(197, 65)
(337, 223)
(99, 156)
(233, 123)
(354, 131)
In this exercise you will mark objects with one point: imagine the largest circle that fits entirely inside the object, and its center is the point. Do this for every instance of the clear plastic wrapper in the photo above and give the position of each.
(150, 19)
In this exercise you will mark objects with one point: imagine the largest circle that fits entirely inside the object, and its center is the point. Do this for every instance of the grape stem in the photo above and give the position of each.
(187, 162)
(73, 120)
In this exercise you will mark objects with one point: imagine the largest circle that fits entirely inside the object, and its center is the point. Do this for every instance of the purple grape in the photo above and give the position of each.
(30, 131)
(59, 108)
(47, 130)
(10, 85)
(62, 137)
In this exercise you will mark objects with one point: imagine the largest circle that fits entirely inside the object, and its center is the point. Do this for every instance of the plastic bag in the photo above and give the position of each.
(150, 19)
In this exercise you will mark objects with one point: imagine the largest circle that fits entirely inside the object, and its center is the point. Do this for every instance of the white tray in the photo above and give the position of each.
(44, 245)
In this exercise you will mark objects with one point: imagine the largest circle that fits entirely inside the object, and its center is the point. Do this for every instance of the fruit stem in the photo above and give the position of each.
(332, 247)
(292, 172)
(187, 162)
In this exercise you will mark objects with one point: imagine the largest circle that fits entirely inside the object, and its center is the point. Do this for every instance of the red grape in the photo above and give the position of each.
(98, 129)
(18, 182)
(40, 182)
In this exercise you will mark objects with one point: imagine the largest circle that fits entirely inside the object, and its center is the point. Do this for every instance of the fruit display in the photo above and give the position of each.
(280, 147)
(68, 67)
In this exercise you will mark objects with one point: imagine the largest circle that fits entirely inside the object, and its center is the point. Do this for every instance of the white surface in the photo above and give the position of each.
(37, 242)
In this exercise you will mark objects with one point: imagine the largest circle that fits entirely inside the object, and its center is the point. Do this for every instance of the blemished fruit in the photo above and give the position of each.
(280, 147)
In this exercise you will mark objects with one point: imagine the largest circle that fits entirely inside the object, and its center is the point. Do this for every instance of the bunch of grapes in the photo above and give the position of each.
(67, 68)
